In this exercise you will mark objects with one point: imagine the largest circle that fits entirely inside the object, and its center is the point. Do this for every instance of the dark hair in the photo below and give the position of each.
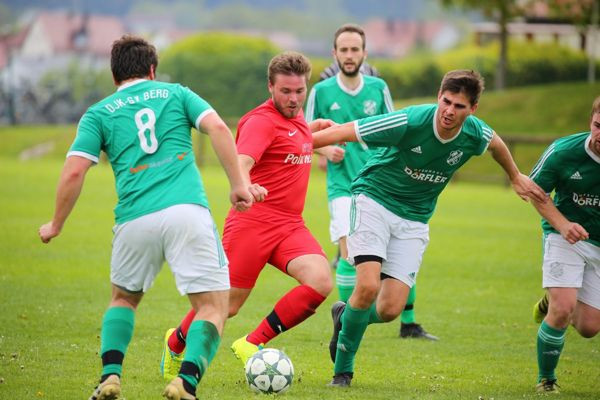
(464, 81)
(350, 28)
(289, 63)
(132, 57)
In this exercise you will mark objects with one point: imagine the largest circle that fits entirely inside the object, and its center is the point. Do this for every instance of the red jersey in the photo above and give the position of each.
(282, 149)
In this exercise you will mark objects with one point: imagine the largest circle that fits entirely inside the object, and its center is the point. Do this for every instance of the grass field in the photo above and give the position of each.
(479, 278)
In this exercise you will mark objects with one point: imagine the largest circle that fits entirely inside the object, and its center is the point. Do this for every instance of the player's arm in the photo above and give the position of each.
(335, 134)
(224, 146)
(335, 154)
(246, 163)
(571, 231)
(522, 184)
(67, 193)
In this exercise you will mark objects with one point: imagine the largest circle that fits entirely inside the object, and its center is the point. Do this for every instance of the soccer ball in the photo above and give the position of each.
(269, 371)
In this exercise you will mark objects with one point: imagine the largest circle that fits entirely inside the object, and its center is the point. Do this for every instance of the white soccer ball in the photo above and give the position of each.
(269, 371)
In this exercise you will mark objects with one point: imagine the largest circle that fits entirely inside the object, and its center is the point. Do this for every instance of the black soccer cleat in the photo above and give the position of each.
(336, 315)
(414, 330)
(343, 379)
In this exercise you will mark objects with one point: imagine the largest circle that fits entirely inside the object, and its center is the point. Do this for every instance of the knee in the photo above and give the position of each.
(388, 314)
(366, 291)
(561, 312)
(388, 311)
(233, 310)
(322, 283)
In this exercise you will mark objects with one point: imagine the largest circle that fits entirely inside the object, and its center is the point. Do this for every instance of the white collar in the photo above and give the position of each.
(349, 91)
(130, 83)
(435, 131)
(594, 156)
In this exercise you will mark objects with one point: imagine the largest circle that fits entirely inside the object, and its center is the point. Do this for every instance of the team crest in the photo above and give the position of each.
(369, 107)
(306, 147)
(454, 157)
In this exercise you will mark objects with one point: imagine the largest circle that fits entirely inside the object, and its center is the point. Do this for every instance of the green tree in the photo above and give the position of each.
(227, 70)
(501, 11)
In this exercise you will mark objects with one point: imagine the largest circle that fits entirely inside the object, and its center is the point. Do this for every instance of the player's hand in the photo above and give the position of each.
(526, 189)
(573, 232)
(320, 124)
(335, 154)
(322, 163)
(48, 231)
(258, 192)
(241, 198)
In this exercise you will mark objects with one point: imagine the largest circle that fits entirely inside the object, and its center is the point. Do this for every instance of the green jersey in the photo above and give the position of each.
(572, 170)
(144, 128)
(330, 99)
(408, 175)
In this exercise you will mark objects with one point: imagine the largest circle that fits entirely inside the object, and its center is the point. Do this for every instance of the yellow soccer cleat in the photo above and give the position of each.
(243, 349)
(170, 362)
(110, 389)
(540, 309)
(176, 391)
(547, 386)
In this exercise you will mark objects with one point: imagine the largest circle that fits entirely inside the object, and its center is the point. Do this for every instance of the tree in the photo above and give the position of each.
(228, 70)
(502, 11)
(582, 13)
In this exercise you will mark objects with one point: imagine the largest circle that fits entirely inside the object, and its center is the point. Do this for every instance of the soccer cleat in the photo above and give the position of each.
(110, 389)
(343, 379)
(547, 386)
(176, 391)
(540, 309)
(414, 330)
(243, 349)
(336, 315)
(170, 361)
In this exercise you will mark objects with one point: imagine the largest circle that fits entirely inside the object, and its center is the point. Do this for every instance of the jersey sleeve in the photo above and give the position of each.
(382, 130)
(388, 104)
(311, 104)
(255, 136)
(544, 172)
(88, 141)
(195, 107)
(486, 136)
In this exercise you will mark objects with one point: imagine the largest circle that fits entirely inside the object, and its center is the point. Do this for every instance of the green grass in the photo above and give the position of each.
(479, 278)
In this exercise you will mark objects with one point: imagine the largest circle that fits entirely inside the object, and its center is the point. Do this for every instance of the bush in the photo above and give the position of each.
(227, 70)
(529, 63)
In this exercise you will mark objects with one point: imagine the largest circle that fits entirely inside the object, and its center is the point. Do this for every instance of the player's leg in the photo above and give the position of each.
(562, 270)
(300, 256)
(197, 260)
(135, 261)
(367, 248)
(203, 339)
(240, 239)
(355, 318)
(409, 328)
(586, 318)
(339, 228)
(116, 333)
(551, 335)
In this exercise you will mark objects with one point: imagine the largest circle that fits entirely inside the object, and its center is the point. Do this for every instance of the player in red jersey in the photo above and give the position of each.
(275, 146)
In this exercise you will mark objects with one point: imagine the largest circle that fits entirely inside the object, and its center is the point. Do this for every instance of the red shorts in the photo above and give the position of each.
(252, 241)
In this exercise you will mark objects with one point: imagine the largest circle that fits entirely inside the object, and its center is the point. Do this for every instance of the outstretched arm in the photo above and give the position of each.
(335, 134)
(522, 184)
(67, 193)
(224, 146)
(571, 231)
